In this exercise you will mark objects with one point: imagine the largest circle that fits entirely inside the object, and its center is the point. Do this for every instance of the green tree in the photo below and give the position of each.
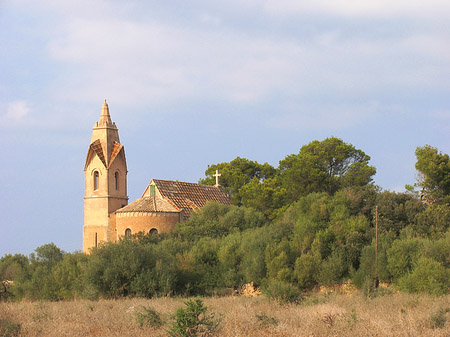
(434, 221)
(253, 244)
(434, 174)
(113, 268)
(280, 261)
(39, 282)
(230, 258)
(48, 254)
(306, 270)
(215, 220)
(12, 266)
(206, 263)
(397, 210)
(69, 275)
(403, 255)
(266, 196)
(325, 166)
(428, 276)
(237, 173)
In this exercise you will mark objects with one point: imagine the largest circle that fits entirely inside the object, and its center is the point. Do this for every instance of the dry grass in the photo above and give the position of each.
(320, 315)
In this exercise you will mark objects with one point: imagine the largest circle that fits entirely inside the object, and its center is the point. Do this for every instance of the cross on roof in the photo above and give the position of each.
(217, 175)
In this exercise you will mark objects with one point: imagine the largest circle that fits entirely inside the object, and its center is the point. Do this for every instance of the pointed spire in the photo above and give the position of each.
(105, 118)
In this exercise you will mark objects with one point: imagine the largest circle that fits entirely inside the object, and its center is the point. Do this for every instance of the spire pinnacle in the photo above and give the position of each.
(105, 118)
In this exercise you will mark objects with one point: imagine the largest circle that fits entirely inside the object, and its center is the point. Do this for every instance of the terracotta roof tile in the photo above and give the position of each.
(97, 147)
(116, 149)
(190, 196)
(149, 204)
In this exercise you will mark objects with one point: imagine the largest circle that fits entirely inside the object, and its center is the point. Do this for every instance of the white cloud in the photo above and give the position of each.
(17, 111)
(151, 61)
(16, 114)
(352, 8)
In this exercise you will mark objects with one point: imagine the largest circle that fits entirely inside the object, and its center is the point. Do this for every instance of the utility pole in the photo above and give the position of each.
(377, 282)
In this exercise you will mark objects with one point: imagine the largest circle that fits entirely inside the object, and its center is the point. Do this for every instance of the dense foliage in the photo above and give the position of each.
(289, 237)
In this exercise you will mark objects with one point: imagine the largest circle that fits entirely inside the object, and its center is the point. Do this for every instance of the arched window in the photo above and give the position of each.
(96, 178)
(153, 231)
(116, 180)
(128, 233)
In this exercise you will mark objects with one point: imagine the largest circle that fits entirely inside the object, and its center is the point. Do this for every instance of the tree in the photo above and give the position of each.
(237, 173)
(49, 254)
(428, 276)
(266, 197)
(434, 221)
(325, 166)
(434, 174)
(396, 210)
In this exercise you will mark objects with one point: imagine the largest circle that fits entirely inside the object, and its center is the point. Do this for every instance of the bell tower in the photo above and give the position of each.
(105, 176)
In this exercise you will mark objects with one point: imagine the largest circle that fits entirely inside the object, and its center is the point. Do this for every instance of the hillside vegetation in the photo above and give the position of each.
(308, 223)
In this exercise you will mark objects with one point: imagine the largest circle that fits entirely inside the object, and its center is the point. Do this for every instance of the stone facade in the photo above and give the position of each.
(146, 222)
(107, 215)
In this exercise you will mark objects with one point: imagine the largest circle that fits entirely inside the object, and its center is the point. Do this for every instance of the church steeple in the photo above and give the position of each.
(105, 174)
(105, 118)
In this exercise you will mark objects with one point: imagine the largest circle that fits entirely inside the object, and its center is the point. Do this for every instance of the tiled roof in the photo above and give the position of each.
(116, 149)
(149, 204)
(97, 147)
(190, 196)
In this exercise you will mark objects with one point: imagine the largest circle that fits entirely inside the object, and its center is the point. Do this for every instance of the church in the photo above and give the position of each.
(107, 214)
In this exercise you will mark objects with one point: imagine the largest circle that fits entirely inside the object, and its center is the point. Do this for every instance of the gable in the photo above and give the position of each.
(96, 149)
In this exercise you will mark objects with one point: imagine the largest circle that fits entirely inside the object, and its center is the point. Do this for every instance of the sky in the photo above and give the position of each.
(194, 83)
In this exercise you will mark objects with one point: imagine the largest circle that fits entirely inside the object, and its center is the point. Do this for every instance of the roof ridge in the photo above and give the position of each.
(184, 182)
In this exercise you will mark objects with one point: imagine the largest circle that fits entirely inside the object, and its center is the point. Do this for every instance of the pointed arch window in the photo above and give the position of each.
(96, 180)
(116, 180)
(128, 233)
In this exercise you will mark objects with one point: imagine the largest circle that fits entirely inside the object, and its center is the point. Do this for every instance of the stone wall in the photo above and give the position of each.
(163, 222)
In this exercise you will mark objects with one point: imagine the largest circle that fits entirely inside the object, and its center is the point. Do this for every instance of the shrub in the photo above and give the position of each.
(428, 276)
(148, 316)
(265, 320)
(282, 292)
(306, 269)
(193, 320)
(370, 290)
(332, 269)
(9, 328)
(402, 256)
(438, 319)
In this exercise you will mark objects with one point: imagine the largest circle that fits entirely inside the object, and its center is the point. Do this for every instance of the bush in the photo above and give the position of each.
(402, 256)
(332, 269)
(306, 269)
(438, 319)
(9, 328)
(265, 320)
(282, 292)
(427, 276)
(193, 320)
(370, 290)
(148, 316)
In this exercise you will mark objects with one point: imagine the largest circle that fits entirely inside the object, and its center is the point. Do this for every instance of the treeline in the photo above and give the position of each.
(295, 236)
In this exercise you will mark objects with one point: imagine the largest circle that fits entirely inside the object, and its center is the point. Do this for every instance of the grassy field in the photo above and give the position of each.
(318, 315)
